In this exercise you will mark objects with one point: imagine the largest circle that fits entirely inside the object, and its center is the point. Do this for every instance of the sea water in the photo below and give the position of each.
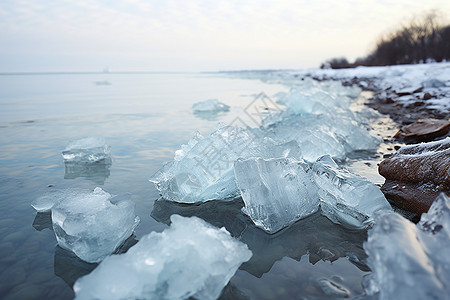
(144, 117)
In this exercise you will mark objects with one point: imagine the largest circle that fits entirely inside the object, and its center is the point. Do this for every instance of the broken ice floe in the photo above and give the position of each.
(278, 192)
(203, 169)
(87, 150)
(346, 198)
(210, 105)
(410, 261)
(92, 224)
(189, 259)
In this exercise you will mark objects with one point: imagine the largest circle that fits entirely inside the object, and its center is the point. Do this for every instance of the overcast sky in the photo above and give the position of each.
(193, 35)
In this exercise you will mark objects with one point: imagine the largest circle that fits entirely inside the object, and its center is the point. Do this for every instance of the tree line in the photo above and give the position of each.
(423, 39)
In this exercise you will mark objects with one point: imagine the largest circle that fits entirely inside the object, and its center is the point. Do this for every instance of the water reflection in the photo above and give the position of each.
(42, 221)
(314, 235)
(96, 171)
(209, 115)
(70, 267)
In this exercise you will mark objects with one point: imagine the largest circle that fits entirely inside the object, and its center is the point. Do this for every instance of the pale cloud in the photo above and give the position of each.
(197, 35)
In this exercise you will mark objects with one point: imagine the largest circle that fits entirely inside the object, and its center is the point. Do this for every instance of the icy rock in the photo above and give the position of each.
(86, 150)
(210, 105)
(276, 192)
(346, 198)
(416, 174)
(90, 224)
(190, 259)
(203, 169)
(409, 261)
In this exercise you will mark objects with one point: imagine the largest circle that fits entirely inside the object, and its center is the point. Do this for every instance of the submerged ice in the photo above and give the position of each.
(278, 192)
(410, 261)
(190, 259)
(87, 150)
(91, 224)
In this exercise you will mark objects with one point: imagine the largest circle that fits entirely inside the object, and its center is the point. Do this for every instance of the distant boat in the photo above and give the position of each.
(107, 70)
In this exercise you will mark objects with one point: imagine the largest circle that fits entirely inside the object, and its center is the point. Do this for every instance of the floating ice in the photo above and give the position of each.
(276, 192)
(90, 149)
(410, 261)
(346, 198)
(210, 105)
(190, 259)
(203, 169)
(90, 224)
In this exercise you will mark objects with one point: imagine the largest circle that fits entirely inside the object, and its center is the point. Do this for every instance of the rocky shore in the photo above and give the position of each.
(417, 98)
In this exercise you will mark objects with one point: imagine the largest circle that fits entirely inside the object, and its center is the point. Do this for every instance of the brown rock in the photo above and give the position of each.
(426, 96)
(416, 174)
(424, 130)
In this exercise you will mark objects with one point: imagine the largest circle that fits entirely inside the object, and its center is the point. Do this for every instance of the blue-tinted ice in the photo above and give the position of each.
(410, 261)
(87, 150)
(190, 259)
(92, 224)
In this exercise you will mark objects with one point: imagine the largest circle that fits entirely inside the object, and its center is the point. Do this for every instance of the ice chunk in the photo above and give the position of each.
(276, 192)
(346, 198)
(321, 134)
(190, 259)
(45, 202)
(203, 169)
(409, 261)
(90, 224)
(332, 288)
(90, 149)
(438, 217)
(210, 105)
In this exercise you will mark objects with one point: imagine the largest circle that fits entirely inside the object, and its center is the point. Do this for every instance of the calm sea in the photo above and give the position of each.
(144, 118)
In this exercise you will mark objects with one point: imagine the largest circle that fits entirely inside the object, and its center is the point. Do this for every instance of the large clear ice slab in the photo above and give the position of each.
(346, 198)
(91, 224)
(87, 150)
(189, 259)
(276, 192)
(210, 105)
(203, 168)
(320, 134)
(410, 261)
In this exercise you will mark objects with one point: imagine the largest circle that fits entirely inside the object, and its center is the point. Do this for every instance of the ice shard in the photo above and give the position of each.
(346, 198)
(410, 261)
(189, 259)
(276, 192)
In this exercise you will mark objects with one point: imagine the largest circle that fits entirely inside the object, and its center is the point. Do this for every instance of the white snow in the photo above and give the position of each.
(190, 259)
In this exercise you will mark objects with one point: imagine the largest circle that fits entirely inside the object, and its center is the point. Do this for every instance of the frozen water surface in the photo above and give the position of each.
(189, 259)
